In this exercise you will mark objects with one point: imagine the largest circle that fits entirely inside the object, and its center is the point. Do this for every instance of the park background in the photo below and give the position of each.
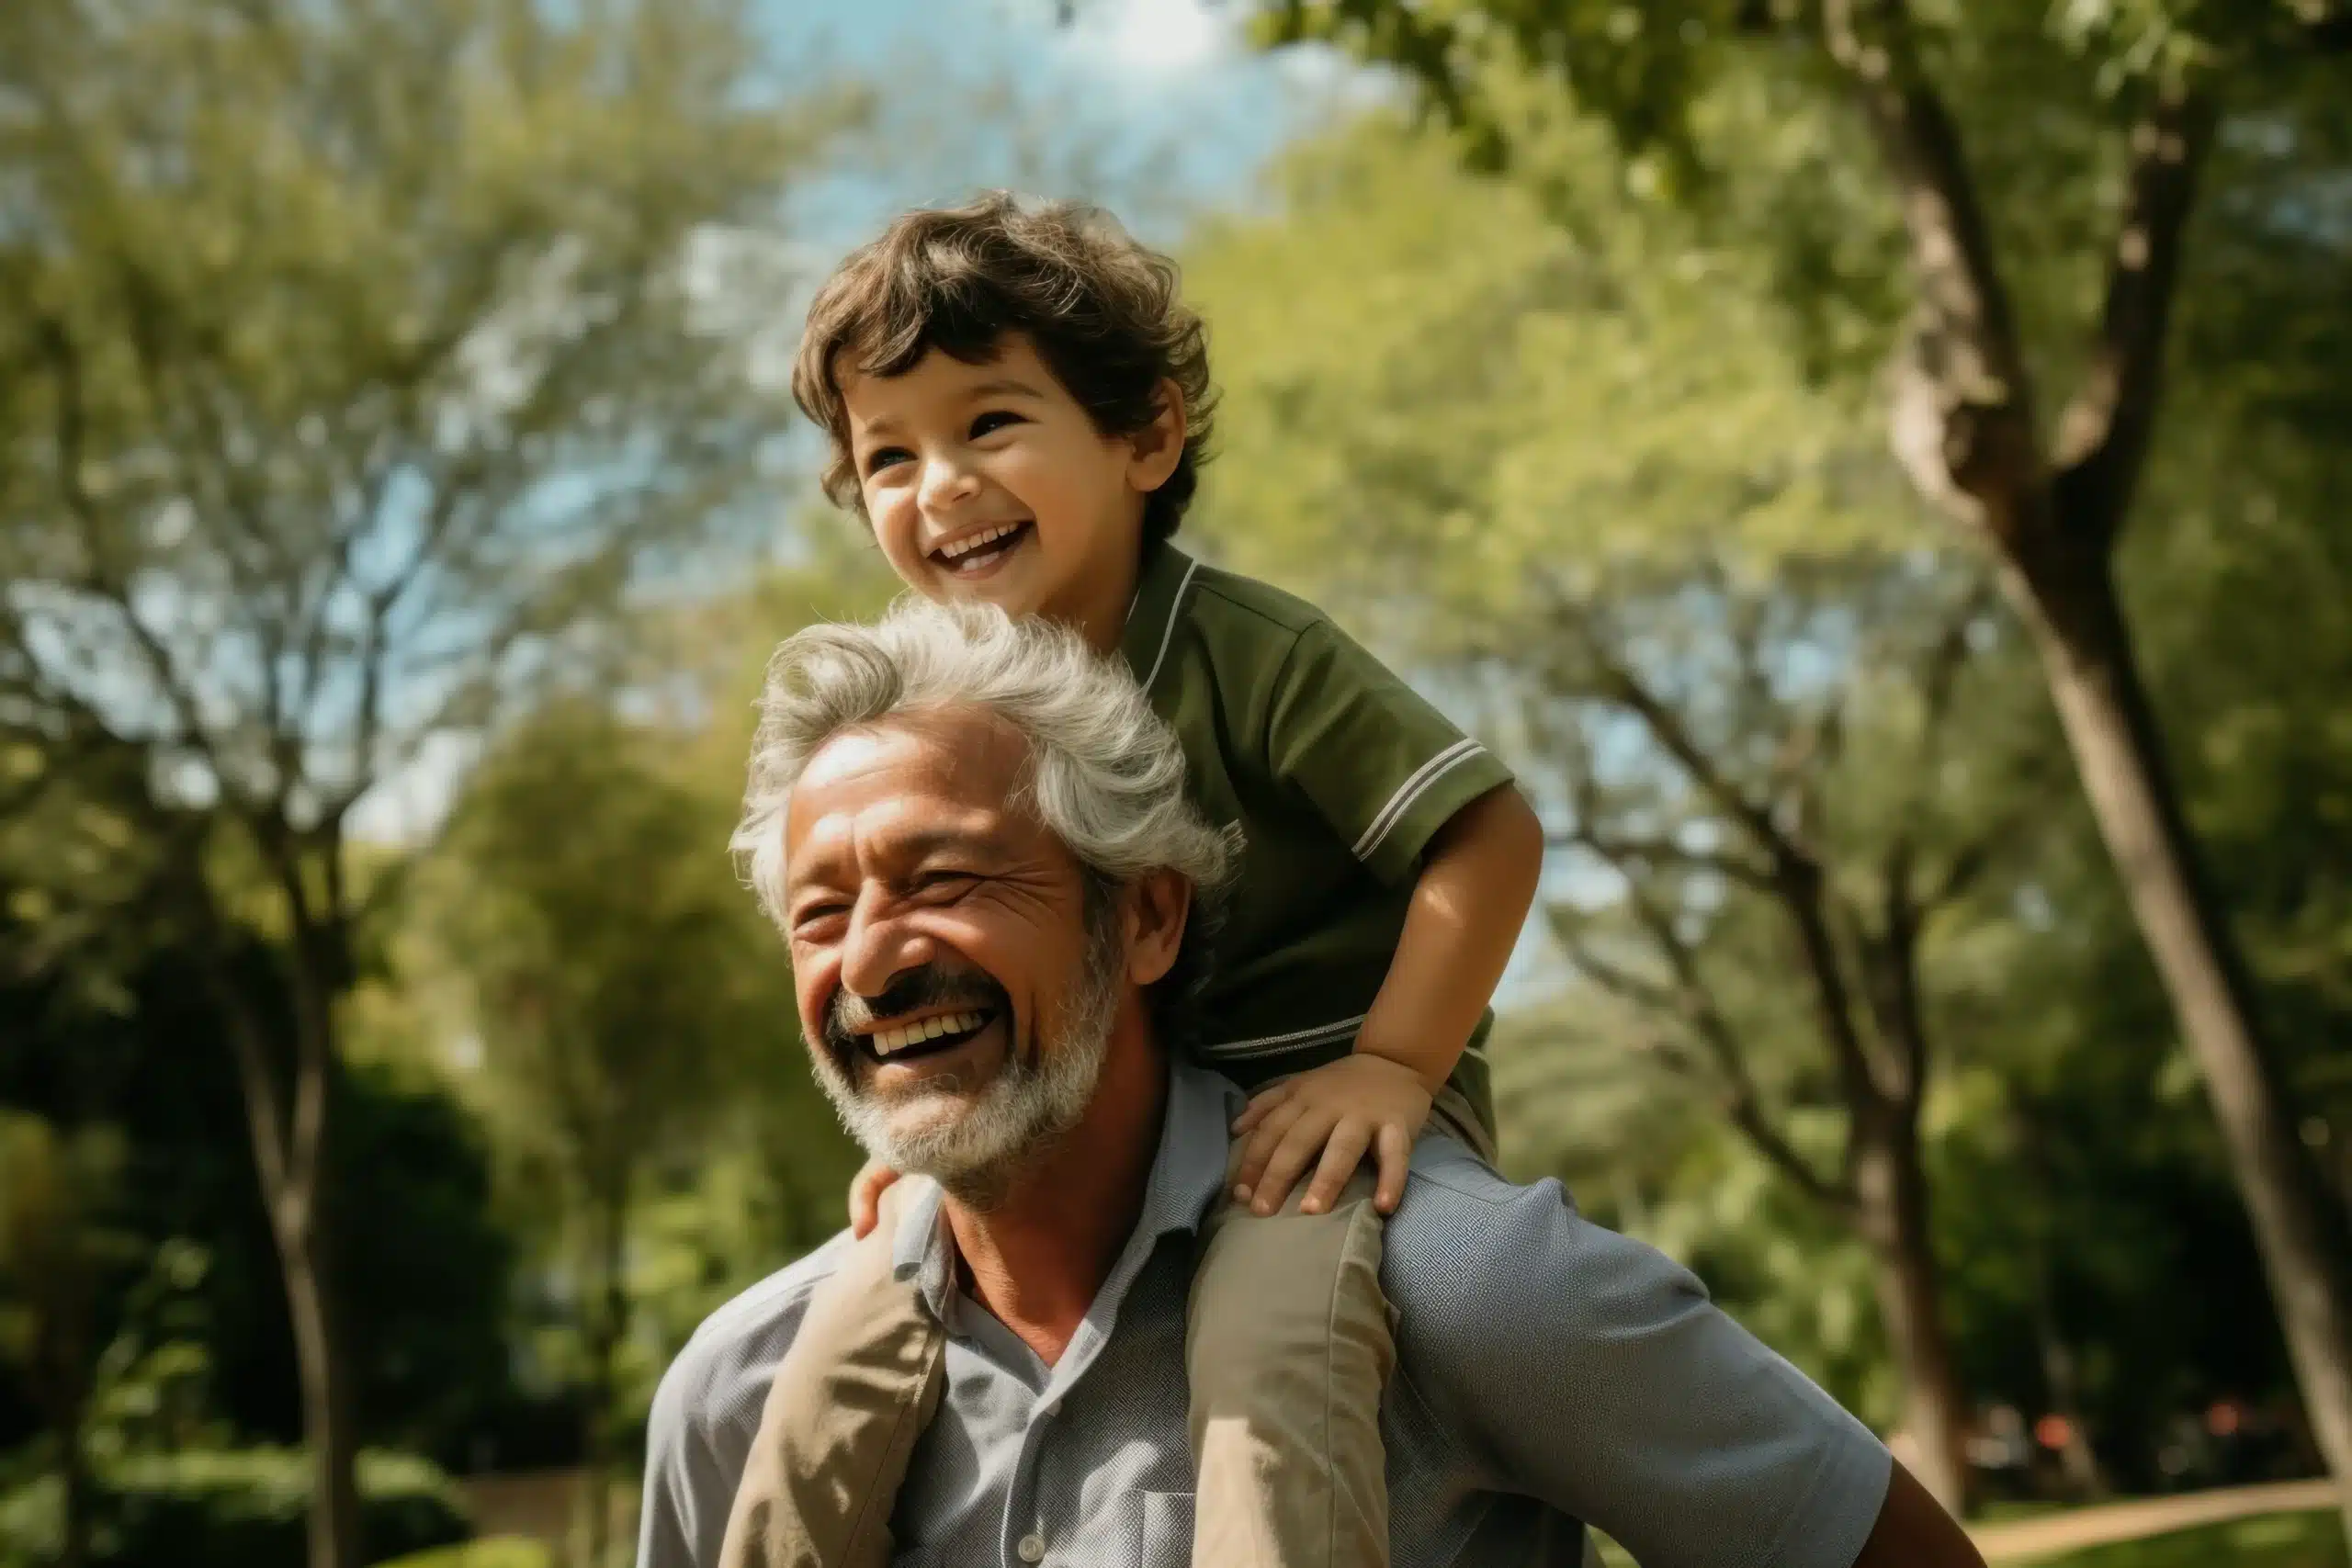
(1879, 471)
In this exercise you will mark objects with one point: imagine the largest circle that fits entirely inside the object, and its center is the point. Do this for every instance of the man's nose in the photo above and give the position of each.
(879, 949)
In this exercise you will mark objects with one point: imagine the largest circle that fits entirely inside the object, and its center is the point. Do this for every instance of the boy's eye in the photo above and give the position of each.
(994, 419)
(882, 457)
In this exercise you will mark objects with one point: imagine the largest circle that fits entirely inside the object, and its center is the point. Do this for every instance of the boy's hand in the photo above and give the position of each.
(866, 1191)
(1340, 1111)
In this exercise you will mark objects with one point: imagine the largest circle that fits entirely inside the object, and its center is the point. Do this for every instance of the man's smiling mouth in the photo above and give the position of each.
(974, 553)
(926, 1036)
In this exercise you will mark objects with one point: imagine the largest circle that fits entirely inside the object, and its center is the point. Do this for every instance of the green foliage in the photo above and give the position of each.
(1645, 70)
(434, 304)
(232, 1510)
(1389, 449)
(2276, 1541)
(187, 1323)
(1485, 393)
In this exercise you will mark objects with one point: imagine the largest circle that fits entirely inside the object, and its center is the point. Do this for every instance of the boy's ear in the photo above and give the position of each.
(1155, 907)
(1158, 447)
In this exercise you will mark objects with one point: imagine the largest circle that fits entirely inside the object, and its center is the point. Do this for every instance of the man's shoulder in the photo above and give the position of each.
(1456, 1205)
(1473, 1258)
(721, 1378)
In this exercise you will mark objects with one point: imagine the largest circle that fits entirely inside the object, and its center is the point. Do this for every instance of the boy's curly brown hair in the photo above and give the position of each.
(1101, 308)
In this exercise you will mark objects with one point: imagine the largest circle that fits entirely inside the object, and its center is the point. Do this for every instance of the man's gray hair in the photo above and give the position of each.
(1105, 776)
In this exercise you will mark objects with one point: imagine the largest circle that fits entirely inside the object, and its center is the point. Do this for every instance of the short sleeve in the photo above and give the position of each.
(1590, 1371)
(707, 1410)
(1382, 765)
(688, 1484)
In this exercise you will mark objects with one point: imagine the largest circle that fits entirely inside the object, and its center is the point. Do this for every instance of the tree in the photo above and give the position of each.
(1756, 827)
(1751, 763)
(53, 1249)
(356, 357)
(2136, 93)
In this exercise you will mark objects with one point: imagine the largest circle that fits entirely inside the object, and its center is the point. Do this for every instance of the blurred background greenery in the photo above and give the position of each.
(398, 499)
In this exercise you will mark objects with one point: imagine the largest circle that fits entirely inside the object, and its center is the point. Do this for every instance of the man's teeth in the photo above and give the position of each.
(886, 1041)
(963, 547)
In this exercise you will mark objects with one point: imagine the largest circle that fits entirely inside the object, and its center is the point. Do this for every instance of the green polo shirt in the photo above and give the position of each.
(1338, 773)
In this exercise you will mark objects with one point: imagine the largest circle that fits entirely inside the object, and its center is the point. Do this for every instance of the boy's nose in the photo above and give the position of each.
(946, 481)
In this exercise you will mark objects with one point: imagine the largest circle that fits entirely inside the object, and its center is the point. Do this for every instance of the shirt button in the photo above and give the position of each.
(1033, 1548)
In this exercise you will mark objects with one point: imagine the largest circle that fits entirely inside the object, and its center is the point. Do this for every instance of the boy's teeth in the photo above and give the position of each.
(890, 1040)
(963, 547)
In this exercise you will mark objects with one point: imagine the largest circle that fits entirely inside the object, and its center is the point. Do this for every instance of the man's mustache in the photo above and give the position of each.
(929, 986)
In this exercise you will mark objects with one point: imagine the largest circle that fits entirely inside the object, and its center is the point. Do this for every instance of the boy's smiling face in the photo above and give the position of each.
(989, 482)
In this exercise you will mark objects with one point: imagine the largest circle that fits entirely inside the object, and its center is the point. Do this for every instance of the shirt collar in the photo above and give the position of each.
(1166, 572)
(1187, 1175)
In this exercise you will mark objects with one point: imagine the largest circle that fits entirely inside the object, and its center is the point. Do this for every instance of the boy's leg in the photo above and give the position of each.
(1455, 1114)
(1288, 1348)
(861, 1382)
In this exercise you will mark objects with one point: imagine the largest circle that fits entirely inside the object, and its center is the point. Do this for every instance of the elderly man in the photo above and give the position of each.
(976, 837)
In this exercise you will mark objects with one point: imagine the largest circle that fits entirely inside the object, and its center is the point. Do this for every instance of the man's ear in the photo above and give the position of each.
(1152, 913)
(1158, 447)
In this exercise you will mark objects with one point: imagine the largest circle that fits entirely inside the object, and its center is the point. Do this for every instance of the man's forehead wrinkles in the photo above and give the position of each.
(900, 832)
(909, 837)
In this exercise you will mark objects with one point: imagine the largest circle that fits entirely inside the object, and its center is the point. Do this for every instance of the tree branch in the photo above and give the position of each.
(2103, 435)
(103, 575)
(1619, 683)
(1963, 422)
(1663, 850)
(1939, 685)
(1700, 1012)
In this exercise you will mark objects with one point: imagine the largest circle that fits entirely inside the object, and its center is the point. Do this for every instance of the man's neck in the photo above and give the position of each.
(1038, 1256)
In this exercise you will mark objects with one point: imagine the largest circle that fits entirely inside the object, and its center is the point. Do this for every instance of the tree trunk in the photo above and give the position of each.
(326, 1415)
(73, 1477)
(1892, 1192)
(608, 1323)
(62, 1375)
(2087, 653)
(73, 1550)
(289, 1159)
(2076, 1456)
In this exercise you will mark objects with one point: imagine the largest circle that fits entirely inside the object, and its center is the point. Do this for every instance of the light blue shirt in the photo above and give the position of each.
(1548, 1372)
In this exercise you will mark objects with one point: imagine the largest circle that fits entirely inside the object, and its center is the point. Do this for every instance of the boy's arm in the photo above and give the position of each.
(1421, 804)
(1468, 905)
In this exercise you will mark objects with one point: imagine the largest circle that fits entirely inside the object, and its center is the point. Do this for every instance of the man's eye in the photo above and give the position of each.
(944, 883)
(817, 915)
(994, 419)
(883, 458)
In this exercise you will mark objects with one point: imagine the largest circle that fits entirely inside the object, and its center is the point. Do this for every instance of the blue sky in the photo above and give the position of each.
(1156, 107)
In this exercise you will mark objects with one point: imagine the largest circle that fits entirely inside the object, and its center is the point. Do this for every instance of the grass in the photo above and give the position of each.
(2313, 1539)
(495, 1551)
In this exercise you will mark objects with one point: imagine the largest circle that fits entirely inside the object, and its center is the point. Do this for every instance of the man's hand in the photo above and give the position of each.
(866, 1191)
(1336, 1112)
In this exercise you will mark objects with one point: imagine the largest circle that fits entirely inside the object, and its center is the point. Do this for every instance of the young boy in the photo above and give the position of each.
(1018, 405)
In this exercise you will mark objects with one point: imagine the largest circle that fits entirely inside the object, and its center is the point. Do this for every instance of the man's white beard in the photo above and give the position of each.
(971, 1147)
